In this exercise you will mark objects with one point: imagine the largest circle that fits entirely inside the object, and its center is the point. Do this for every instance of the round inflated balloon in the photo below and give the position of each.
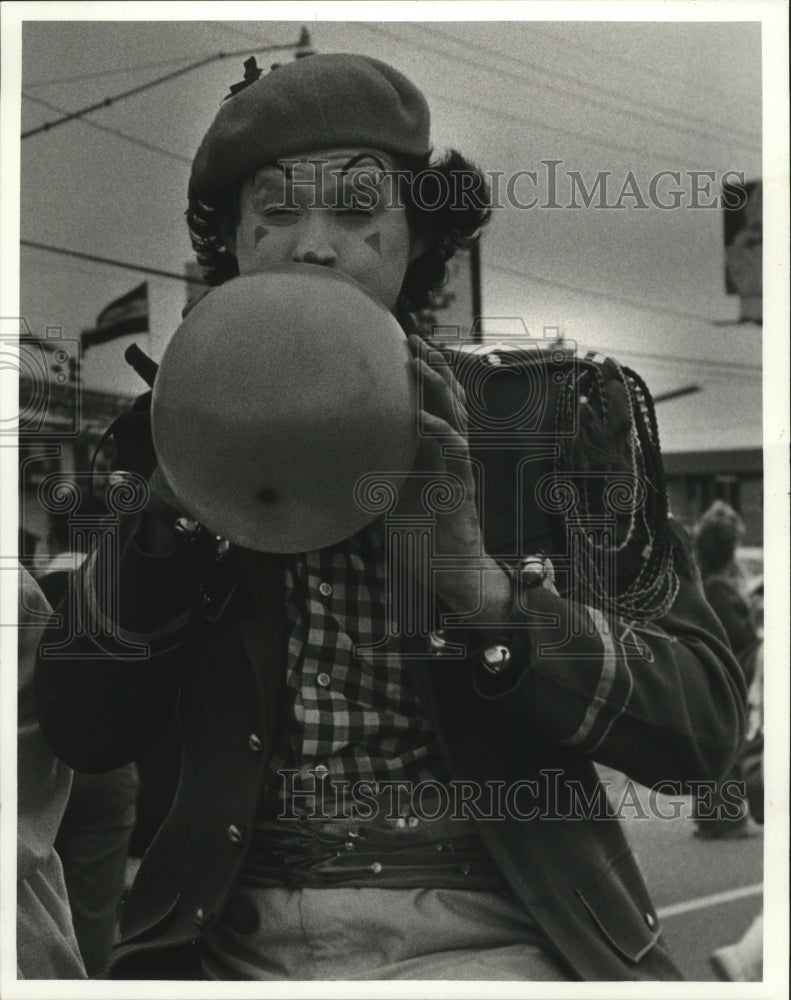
(278, 393)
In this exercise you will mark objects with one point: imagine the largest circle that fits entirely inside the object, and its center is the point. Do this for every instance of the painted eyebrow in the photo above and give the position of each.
(362, 157)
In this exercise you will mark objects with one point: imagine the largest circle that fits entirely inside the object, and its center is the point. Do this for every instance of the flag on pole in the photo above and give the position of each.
(129, 314)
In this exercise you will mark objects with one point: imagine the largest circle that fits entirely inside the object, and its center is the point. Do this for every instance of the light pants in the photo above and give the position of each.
(345, 933)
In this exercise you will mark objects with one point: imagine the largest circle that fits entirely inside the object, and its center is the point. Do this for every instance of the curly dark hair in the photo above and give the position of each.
(451, 222)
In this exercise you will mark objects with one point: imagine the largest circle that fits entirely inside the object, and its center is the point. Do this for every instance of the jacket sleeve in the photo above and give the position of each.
(109, 668)
(659, 702)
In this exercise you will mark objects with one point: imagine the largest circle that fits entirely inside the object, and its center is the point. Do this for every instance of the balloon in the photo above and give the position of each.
(276, 395)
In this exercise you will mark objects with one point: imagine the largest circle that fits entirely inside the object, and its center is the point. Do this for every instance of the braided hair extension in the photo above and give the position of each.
(204, 222)
(620, 540)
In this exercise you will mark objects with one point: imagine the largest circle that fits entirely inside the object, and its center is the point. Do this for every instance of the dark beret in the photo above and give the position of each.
(318, 102)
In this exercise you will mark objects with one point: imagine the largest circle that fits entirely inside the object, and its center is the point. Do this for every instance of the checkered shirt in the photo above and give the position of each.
(344, 709)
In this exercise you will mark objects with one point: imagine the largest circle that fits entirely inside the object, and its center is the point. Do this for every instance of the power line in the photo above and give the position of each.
(111, 262)
(144, 144)
(112, 71)
(594, 294)
(644, 151)
(588, 85)
(236, 31)
(606, 143)
(522, 79)
(622, 350)
(610, 56)
(712, 368)
(107, 101)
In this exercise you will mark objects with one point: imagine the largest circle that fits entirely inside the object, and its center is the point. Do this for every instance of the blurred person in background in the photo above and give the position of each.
(46, 943)
(717, 537)
(743, 961)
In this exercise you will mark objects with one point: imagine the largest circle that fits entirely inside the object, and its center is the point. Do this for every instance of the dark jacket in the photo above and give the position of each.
(736, 618)
(660, 703)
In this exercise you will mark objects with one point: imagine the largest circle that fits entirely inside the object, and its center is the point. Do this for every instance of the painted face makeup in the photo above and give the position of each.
(334, 208)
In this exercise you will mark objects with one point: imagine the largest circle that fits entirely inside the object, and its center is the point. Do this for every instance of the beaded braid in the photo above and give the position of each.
(217, 264)
(584, 425)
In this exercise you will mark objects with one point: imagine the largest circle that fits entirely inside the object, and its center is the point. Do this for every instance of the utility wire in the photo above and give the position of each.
(622, 350)
(727, 97)
(155, 83)
(113, 131)
(588, 85)
(594, 294)
(112, 71)
(712, 368)
(646, 152)
(235, 31)
(522, 79)
(141, 268)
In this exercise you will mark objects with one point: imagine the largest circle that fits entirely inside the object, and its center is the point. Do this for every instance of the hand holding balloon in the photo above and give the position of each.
(443, 448)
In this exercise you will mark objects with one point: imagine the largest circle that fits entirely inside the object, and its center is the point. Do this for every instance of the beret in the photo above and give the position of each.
(317, 102)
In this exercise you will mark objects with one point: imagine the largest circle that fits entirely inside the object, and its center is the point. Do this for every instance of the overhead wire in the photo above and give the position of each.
(646, 152)
(112, 262)
(605, 296)
(610, 56)
(235, 31)
(149, 84)
(676, 128)
(589, 85)
(711, 366)
(111, 71)
(135, 140)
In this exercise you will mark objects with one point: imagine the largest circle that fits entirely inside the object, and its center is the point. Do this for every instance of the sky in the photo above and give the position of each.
(625, 99)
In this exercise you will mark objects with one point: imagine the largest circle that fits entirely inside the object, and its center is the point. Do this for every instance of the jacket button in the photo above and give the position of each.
(496, 658)
(235, 835)
(202, 918)
(438, 641)
(650, 919)
(533, 571)
(204, 600)
(254, 743)
(186, 528)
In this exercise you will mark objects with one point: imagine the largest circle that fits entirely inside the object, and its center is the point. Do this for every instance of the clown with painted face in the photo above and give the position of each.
(428, 810)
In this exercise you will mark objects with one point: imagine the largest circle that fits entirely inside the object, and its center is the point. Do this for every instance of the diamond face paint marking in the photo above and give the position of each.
(374, 241)
(260, 233)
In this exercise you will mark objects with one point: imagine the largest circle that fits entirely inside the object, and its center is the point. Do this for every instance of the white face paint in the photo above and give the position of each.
(336, 208)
